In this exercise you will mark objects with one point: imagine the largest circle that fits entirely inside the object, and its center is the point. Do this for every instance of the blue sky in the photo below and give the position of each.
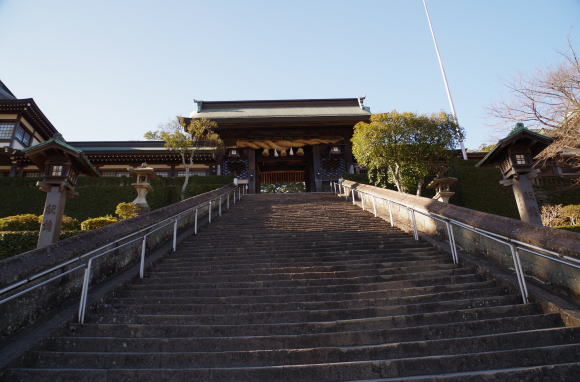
(113, 69)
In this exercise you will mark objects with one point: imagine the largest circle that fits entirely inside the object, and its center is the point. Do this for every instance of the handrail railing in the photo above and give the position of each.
(133, 237)
(514, 245)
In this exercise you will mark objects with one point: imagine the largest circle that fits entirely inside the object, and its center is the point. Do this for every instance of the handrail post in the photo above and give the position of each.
(228, 200)
(452, 242)
(519, 273)
(143, 249)
(333, 187)
(412, 217)
(220, 206)
(239, 194)
(374, 206)
(175, 235)
(209, 211)
(234, 196)
(195, 223)
(391, 213)
(85, 292)
(362, 200)
(352, 193)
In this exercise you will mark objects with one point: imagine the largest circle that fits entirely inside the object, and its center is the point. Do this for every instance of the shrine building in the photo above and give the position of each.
(285, 141)
(267, 141)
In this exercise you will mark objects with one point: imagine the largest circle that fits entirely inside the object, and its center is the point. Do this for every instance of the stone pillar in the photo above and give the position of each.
(526, 199)
(316, 167)
(251, 154)
(52, 217)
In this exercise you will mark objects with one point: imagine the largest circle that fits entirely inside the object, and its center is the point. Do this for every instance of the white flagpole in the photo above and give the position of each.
(463, 153)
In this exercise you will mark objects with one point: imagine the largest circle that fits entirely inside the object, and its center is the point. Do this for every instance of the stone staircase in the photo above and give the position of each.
(307, 287)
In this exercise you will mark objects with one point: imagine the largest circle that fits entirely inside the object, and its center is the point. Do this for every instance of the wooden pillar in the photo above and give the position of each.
(251, 155)
(316, 168)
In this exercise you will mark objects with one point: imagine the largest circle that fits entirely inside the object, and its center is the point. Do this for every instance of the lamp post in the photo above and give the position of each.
(61, 165)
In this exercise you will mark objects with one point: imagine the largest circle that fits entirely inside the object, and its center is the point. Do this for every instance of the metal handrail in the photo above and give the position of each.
(513, 244)
(102, 250)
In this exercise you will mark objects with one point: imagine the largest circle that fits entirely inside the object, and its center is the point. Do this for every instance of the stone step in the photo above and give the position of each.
(180, 276)
(344, 259)
(256, 269)
(149, 359)
(319, 254)
(261, 329)
(189, 290)
(415, 276)
(229, 306)
(184, 295)
(544, 373)
(189, 314)
(445, 330)
(413, 366)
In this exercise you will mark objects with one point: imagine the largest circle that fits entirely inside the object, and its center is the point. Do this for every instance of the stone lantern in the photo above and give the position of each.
(443, 187)
(61, 165)
(142, 185)
(514, 156)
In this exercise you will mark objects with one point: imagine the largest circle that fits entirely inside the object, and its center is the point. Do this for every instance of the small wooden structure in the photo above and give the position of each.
(514, 155)
(61, 165)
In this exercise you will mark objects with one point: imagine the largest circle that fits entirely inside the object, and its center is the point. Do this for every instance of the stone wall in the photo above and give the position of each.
(558, 277)
(29, 308)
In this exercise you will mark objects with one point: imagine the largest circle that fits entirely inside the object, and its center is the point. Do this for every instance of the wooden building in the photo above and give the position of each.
(280, 141)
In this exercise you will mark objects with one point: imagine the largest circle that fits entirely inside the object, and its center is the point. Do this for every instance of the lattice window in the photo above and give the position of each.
(6, 130)
(23, 136)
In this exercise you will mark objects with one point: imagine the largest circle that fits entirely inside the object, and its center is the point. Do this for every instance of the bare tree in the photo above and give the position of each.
(549, 99)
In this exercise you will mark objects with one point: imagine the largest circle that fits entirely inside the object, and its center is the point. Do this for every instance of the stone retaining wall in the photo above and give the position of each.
(558, 277)
(29, 308)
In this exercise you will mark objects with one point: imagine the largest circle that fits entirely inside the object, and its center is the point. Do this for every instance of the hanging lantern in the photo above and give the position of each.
(335, 150)
(275, 153)
(283, 153)
(300, 152)
(291, 151)
(265, 153)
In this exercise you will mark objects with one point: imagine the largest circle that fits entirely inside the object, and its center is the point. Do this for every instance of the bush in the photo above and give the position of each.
(573, 228)
(552, 215)
(127, 210)
(14, 243)
(95, 223)
(572, 212)
(68, 223)
(25, 222)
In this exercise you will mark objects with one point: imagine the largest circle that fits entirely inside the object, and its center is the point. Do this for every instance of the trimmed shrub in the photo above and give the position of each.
(25, 222)
(14, 243)
(573, 228)
(95, 223)
(127, 210)
(68, 223)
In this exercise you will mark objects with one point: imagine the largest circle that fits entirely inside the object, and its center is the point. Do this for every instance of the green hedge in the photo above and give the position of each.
(24, 222)
(96, 223)
(16, 242)
(478, 188)
(100, 196)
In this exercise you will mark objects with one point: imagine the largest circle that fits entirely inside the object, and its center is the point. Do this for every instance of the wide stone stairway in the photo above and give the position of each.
(308, 287)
